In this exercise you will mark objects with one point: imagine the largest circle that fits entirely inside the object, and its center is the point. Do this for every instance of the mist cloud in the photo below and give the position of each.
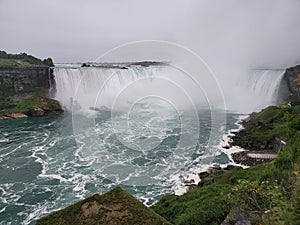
(226, 34)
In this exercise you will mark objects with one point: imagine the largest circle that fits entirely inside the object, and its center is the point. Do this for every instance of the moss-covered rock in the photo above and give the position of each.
(31, 106)
(112, 208)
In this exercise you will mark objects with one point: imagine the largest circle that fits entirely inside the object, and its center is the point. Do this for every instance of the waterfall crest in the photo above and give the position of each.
(265, 84)
(84, 88)
(253, 91)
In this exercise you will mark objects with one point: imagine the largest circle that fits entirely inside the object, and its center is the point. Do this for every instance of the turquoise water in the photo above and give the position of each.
(44, 166)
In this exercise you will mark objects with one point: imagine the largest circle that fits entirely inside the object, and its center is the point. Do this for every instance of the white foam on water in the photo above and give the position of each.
(54, 176)
(4, 140)
(3, 209)
(225, 142)
(39, 209)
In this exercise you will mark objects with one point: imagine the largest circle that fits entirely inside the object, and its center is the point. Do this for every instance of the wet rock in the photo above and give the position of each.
(205, 181)
(214, 170)
(4, 117)
(189, 182)
(231, 167)
(226, 146)
(193, 187)
(17, 115)
(203, 175)
(85, 65)
(37, 112)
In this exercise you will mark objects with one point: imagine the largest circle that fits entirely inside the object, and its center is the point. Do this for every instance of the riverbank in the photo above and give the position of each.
(264, 193)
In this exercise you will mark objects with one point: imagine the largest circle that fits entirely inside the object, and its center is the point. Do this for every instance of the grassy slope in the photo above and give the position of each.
(273, 186)
(114, 207)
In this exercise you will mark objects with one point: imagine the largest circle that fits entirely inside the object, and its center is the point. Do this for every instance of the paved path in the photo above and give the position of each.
(262, 156)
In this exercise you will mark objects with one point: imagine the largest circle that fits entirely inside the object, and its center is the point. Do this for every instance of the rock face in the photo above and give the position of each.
(16, 81)
(25, 86)
(37, 111)
(289, 89)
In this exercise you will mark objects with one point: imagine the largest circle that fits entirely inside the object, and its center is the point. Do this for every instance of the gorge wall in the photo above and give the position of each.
(26, 83)
(289, 89)
(15, 82)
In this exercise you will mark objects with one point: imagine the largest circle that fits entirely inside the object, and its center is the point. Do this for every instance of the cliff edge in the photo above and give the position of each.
(25, 84)
(289, 89)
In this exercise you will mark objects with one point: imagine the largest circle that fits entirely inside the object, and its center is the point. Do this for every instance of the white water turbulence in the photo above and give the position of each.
(140, 126)
(254, 91)
(137, 126)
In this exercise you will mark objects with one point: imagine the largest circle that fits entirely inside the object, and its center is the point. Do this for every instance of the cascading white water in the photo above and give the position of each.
(83, 88)
(254, 91)
(265, 84)
(94, 87)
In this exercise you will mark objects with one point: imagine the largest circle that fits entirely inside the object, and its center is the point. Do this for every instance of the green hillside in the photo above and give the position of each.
(23, 60)
(271, 191)
(112, 208)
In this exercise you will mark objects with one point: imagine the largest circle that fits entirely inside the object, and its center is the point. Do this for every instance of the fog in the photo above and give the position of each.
(256, 33)
(230, 36)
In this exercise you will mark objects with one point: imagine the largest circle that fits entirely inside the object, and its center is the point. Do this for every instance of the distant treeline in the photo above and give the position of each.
(26, 58)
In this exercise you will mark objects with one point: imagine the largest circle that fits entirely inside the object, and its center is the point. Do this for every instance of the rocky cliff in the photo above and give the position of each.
(289, 89)
(19, 81)
(25, 86)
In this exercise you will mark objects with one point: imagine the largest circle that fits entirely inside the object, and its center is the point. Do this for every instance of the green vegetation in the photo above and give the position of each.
(114, 207)
(207, 205)
(26, 105)
(272, 186)
(276, 121)
(11, 61)
(281, 122)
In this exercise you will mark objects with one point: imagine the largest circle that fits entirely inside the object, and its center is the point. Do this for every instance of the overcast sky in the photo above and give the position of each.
(256, 33)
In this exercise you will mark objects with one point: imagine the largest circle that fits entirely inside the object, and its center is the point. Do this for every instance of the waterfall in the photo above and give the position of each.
(94, 87)
(83, 88)
(253, 91)
(265, 84)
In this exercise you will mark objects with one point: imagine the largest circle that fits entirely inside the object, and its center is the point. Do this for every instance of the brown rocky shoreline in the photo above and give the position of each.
(252, 152)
